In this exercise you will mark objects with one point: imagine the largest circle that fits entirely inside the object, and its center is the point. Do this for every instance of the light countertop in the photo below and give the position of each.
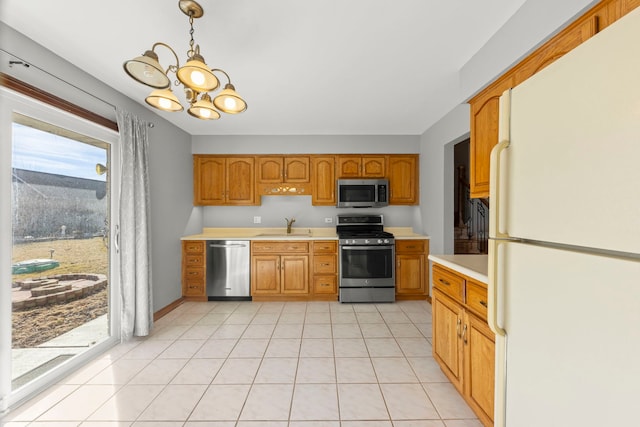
(474, 266)
(297, 233)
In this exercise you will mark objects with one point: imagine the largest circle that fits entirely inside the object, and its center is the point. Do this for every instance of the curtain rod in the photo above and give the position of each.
(28, 64)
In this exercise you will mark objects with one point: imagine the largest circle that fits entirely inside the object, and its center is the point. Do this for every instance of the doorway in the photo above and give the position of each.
(57, 258)
(471, 216)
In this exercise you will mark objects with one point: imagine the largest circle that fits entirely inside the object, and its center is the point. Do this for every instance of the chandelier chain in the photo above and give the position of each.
(191, 51)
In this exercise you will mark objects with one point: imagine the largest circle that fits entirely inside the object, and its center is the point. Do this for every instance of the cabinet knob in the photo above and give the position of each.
(483, 303)
(444, 282)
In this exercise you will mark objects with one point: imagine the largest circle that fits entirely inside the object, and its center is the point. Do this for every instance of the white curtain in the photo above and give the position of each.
(135, 246)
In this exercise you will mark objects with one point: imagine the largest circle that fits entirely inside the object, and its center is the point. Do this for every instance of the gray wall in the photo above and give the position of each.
(169, 152)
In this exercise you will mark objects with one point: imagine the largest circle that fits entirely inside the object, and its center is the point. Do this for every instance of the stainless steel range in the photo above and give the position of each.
(367, 259)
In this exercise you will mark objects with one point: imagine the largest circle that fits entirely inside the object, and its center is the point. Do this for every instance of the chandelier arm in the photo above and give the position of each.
(172, 68)
(223, 72)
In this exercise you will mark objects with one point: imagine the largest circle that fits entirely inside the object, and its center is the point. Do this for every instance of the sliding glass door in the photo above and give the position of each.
(57, 258)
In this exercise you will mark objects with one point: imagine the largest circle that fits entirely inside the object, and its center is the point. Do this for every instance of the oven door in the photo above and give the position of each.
(367, 266)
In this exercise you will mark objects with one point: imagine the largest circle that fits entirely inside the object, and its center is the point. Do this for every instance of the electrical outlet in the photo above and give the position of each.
(257, 219)
(328, 220)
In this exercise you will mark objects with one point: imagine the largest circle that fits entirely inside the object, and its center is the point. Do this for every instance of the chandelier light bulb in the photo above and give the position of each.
(230, 103)
(164, 103)
(197, 77)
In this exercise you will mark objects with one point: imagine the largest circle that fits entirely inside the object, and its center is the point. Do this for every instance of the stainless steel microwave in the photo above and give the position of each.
(363, 193)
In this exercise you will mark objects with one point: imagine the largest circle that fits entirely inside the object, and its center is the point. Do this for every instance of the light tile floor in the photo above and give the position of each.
(275, 364)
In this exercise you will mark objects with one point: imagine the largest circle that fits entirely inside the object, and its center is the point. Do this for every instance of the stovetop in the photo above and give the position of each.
(364, 234)
(362, 229)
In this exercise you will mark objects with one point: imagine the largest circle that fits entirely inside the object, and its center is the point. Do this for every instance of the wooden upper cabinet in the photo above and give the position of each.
(403, 179)
(222, 180)
(278, 169)
(270, 169)
(323, 177)
(241, 181)
(485, 114)
(208, 180)
(283, 175)
(574, 35)
(484, 106)
(361, 166)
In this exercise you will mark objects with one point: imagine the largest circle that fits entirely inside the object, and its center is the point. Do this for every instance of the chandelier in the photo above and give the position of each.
(196, 77)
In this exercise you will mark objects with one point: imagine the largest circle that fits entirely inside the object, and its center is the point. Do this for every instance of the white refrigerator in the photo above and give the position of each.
(564, 254)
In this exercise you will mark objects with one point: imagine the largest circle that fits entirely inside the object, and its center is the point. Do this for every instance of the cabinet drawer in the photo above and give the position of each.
(477, 298)
(325, 285)
(412, 246)
(279, 247)
(191, 274)
(324, 264)
(449, 283)
(193, 288)
(326, 247)
(196, 247)
(192, 260)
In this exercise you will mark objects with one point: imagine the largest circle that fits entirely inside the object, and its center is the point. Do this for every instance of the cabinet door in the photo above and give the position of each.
(270, 170)
(484, 135)
(324, 181)
(295, 274)
(208, 180)
(403, 180)
(479, 371)
(265, 274)
(447, 333)
(241, 181)
(410, 274)
(373, 166)
(296, 169)
(349, 166)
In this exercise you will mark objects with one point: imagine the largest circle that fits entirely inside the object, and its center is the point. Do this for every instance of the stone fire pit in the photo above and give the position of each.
(58, 289)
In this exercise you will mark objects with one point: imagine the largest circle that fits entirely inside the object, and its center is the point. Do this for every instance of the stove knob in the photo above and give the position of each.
(367, 241)
(386, 240)
(380, 241)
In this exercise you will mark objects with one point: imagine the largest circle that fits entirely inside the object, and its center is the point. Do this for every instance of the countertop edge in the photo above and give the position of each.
(464, 265)
(400, 233)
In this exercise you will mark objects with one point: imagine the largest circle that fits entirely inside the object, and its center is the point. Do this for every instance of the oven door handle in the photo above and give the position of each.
(368, 248)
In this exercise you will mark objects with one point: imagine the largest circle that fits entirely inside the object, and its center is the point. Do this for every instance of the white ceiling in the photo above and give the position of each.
(330, 67)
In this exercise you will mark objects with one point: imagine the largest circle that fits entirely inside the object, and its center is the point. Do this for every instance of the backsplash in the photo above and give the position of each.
(274, 210)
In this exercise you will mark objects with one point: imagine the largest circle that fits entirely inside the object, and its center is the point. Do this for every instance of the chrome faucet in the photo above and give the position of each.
(289, 224)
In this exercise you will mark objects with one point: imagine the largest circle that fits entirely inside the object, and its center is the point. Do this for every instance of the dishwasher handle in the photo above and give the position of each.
(231, 245)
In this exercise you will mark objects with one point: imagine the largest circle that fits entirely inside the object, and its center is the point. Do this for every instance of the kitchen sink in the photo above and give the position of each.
(294, 233)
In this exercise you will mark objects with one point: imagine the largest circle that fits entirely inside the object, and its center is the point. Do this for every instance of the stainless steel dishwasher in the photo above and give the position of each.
(228, 270)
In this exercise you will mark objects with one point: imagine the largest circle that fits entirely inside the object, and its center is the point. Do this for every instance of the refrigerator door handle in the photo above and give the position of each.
(493, 310)
(497, 237)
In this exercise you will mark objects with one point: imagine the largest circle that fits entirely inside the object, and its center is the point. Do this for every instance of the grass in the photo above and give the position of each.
(35, 326)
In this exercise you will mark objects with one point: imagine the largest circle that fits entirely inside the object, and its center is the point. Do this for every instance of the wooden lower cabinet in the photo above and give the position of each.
(479, 366)
(194, 285)
(463, 343)
(411, 258)
(279, 270)
(447, 330)
(325, 270)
